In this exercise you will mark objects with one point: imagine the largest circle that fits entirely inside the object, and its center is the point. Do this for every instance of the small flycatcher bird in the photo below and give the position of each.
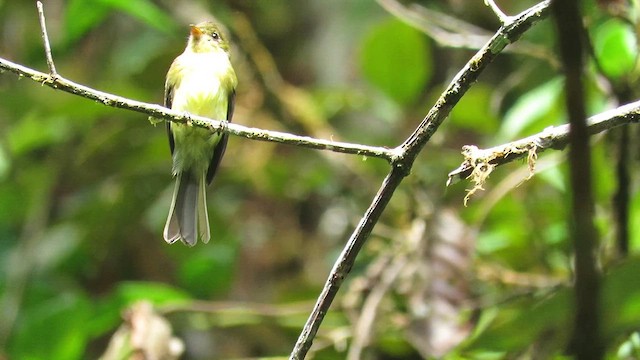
(200, 81)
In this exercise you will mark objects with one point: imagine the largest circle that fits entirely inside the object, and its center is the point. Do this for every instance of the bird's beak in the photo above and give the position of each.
(195, 31)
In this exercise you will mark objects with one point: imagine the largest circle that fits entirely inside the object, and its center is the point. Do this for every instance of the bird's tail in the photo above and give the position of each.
(188, 218)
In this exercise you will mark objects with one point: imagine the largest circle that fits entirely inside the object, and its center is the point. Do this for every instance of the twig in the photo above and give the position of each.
(446, 30)
(467, 76)
(402, 157)
(364, 326)
(551, 138)
(161, 112)
(345, 261)
(45, 40)
(504, 18)
(408, 152)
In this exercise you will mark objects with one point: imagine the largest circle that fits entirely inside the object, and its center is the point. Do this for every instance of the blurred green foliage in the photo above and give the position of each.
(403, 75)
(85, 189)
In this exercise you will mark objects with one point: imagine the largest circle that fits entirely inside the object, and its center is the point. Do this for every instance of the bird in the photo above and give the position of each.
(201, 81)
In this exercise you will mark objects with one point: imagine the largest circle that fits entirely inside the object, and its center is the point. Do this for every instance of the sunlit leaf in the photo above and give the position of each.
(82, 16)
(5, 163)
(634, 221)
(146, 11)
(534, 110)
(616, 47)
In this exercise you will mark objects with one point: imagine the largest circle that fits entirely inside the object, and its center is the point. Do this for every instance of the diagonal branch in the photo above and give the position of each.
(467, 76)
(407, 153)
(401, 157)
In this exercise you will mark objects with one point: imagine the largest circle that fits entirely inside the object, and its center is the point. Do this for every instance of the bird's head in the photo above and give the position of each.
(207, 37)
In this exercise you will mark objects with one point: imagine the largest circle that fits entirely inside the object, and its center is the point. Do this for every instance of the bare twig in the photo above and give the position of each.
(452, 32)
(45, 40)
(446, 30)
(401, 158)
(365, 324)
(345, 261)
(504, 18)
(407, 153)
(485, 160)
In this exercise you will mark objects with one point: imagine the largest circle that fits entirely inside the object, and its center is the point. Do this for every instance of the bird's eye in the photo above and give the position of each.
(215, 36)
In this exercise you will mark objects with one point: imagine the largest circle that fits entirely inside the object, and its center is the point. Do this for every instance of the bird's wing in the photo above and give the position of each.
(218, 151)
(168, 101)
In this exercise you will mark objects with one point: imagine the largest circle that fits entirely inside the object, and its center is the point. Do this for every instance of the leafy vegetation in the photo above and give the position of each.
(85, 189)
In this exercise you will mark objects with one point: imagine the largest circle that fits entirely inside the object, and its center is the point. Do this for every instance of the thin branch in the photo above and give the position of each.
(555, 137)
(467, 76)
(364, 327)
(504, 18)
(445, 29)
(408, 152)
(45, 40)
(60, 83)
(449, 31)
(402, 157)
(345, 261)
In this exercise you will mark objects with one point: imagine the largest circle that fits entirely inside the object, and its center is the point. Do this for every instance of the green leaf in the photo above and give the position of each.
(397, 59)
(529, 319)
(473, 112)
(82, 16)
(212, 266)
(551, 316)
(615, 47)
(146, 11)
(53, 329)
(36, 130)
(533, 111)
(634, 221)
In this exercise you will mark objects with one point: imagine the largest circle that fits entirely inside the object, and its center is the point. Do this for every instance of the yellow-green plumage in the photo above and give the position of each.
(201, 81)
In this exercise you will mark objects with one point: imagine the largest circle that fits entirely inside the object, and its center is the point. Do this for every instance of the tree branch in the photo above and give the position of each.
(409, 150)
(504, 18)
(401, 157)
(479, 163)
(60, 83)
(45, 40)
